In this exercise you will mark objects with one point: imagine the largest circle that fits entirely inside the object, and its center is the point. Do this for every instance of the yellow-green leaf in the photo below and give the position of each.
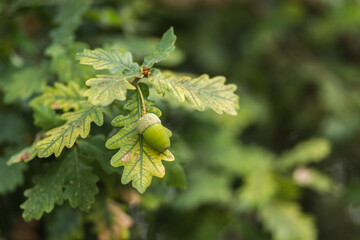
(259, 189)
(313, 150)
(140, 161)
(114, 61)
(163, 49)
(78, 123)
(61, 96)
(200, 92)
(286, 221)
(25, 155)
(106, 88)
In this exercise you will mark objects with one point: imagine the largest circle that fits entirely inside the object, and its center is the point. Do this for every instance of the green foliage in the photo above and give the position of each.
(94, 148)
(140, 161)
(65, 65)
(10, 176)
(80, 187)
(105, 89)
(113, 61)
(70, 179)
(286, 221)
(266, 173)
(45, 117)
(61, 96)
(68, 19)
(201, 193)
(163, 49)
(312, 150)
(265, 185)
(199, 92)
(45, 194)
(17, 88)
(77, 124)
(175, 175)
(25, 155)
(66, 223)
(11, 127)
(143, 46)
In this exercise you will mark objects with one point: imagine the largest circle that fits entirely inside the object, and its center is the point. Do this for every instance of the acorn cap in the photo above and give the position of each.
(146, 121)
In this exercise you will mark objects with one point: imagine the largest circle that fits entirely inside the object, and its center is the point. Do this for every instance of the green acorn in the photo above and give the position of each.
(155, 134)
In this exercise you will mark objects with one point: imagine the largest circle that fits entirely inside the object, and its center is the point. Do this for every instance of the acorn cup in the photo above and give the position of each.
(155, 134)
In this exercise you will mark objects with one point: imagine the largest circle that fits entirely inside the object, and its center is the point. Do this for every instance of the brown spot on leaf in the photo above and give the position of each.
(125, 158)
(101, 83)
(54, 105)
(26, 155)
(23, 157)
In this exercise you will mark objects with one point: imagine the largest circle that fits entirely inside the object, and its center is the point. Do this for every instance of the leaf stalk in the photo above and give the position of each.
(142, 99)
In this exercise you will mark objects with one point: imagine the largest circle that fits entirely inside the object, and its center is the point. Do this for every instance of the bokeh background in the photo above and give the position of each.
(286, 168)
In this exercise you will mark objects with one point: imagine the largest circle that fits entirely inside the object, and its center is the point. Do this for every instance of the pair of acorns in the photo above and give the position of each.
(154, 133)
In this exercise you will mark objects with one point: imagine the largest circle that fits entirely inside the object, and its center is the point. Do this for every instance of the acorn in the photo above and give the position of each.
(154, 133)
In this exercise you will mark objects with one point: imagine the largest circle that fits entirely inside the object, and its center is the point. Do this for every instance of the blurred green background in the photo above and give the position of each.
(286, 168)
